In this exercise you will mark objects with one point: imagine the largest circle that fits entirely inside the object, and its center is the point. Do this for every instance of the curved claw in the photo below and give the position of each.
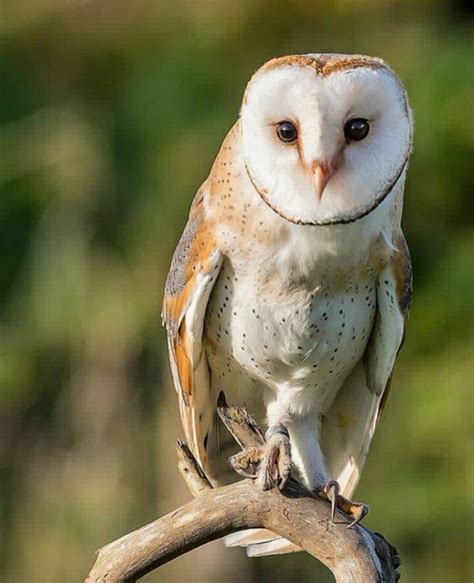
(355, 510)
(243, 473)
(332, 492)
(283, 481)
(363, 511)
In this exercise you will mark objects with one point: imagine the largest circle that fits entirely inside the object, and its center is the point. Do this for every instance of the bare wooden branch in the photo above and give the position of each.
(354, 555)
(240, 424)
(191, 471)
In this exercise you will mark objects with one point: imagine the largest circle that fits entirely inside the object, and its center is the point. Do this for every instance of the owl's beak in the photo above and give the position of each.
(322, 173)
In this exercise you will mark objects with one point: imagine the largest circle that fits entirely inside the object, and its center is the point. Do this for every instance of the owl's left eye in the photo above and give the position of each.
(287, 131)
(356, 129)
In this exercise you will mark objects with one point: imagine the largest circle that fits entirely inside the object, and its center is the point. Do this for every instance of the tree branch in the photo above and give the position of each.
(354, 555)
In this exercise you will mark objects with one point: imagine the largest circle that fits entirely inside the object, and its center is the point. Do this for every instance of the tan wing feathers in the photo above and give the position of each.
(192, 250)
(194, 269)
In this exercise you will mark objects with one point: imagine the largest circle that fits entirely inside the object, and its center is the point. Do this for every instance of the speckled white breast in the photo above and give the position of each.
(266, 333)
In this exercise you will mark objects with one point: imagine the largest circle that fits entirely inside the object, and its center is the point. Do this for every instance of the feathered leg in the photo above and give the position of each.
(309, 459)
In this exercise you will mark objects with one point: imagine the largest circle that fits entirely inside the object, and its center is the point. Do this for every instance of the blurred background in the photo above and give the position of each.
(111, 113)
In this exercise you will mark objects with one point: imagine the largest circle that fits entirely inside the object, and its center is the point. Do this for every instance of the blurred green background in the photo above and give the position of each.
(111, 113)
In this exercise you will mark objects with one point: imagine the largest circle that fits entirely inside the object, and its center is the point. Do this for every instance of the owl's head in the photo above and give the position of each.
(326, 137)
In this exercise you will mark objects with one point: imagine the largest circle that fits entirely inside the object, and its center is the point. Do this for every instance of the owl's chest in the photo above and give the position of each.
(292, 335)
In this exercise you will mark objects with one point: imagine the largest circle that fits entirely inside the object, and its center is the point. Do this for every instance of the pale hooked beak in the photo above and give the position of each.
(322, 173)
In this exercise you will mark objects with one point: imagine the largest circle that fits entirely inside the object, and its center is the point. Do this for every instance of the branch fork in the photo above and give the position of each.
(354, 555)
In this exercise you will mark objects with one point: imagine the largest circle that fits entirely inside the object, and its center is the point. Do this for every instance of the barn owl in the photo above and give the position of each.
(289, 289)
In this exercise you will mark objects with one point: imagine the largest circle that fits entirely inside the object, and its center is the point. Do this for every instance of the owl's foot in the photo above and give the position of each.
(273, 460)
(275, 466)
(355, 510)
(245, 462)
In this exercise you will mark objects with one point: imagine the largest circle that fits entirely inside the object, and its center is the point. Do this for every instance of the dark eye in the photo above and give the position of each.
(356, 129)
(287, 132)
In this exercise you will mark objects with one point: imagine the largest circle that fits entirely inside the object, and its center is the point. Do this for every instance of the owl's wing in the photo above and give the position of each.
(348, 428)
(194, 269)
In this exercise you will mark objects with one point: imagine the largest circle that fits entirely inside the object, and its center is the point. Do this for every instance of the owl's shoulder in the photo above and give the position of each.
(195, 245)
(242, 221)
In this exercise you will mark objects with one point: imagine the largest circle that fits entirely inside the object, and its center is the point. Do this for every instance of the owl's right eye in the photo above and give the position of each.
(287, 132)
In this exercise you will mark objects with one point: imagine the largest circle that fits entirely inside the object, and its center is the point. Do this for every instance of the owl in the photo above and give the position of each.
(289, 289)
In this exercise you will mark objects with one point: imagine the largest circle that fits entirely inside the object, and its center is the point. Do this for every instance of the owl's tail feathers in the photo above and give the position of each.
(259, 542)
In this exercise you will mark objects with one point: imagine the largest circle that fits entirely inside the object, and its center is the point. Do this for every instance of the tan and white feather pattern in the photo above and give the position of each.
(290, 286)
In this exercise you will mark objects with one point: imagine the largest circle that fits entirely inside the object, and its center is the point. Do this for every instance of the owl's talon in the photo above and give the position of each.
(333, 490)
(275, 467)
(245, 474)
(243, 460)
(357, 511)
(283, 481)
(273, 460)
(362, 510)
